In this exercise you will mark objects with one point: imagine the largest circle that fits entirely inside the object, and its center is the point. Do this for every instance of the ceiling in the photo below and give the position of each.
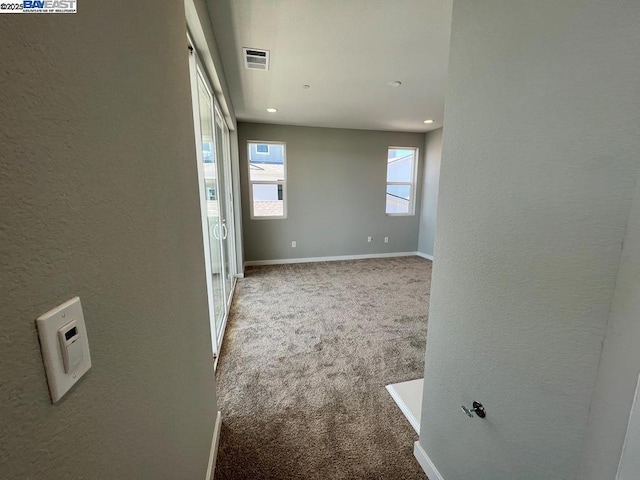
(348, 51)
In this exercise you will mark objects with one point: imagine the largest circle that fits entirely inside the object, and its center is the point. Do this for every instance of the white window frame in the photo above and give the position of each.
(412, 184)
(267, 182)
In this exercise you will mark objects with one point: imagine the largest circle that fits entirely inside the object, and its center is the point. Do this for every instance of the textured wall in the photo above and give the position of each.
(98, 198)
(540, 158)
(619, 365)
(336, 194)
(430, 184)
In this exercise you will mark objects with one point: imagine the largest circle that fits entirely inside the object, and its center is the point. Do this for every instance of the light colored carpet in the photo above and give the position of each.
(302, 373)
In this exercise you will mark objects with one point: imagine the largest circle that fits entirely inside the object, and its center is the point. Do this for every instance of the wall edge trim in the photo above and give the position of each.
(425, 462)
(425, 255)
(214, 446)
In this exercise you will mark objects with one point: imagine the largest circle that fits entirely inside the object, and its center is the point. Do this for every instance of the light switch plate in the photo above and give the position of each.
(48, 326)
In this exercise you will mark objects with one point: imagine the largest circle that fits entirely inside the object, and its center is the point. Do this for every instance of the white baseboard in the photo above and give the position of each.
(214, 447)
(426, 463)
(239, 275)
(282, 261)
(425, 255)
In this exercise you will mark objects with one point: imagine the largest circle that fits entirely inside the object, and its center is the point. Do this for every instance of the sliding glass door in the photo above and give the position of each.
(216, 200)
(226, 201)
(215, 228)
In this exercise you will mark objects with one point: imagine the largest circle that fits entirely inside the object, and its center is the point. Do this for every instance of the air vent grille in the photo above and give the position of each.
(255, 59)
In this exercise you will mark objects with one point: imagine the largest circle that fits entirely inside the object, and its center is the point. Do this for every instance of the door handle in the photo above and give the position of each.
(215, 234)
(225, 232)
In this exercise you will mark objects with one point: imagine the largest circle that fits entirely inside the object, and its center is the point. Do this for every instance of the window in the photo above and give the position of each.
(207, 151)
(267, 179)
(401, 180)
(211, 191)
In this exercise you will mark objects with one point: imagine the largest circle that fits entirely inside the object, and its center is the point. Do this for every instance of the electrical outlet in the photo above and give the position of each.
(294, 244)
(369, 239)
(386, 239)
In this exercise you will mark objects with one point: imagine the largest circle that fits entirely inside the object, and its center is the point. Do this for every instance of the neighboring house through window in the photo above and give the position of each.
(401, 180)
(211, 191)
(267, 179)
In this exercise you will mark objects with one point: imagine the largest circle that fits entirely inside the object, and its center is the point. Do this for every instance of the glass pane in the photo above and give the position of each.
(398, 198)
(400, 165)
(268, 200)
(266, 162)
(210, 157)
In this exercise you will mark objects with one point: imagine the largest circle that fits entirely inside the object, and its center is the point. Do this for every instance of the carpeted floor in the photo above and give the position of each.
(308, 351)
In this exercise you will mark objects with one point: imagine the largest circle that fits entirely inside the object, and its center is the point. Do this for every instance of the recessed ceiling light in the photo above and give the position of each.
(428, 121)
(272, 110)
(395, 83)
(306, 87)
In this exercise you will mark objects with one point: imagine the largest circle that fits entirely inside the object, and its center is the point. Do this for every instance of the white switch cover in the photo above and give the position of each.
(65, 347)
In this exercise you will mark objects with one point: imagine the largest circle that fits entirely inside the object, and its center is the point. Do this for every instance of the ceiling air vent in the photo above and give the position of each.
(255, 59)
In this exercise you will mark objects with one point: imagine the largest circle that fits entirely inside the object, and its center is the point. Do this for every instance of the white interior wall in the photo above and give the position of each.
(540, 159)
(99, 198)
(619, 366)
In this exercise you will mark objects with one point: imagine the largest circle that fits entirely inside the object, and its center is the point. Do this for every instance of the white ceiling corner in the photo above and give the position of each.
(348, 51)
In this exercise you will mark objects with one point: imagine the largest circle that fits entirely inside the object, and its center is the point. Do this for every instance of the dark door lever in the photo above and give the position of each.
(478, 409)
